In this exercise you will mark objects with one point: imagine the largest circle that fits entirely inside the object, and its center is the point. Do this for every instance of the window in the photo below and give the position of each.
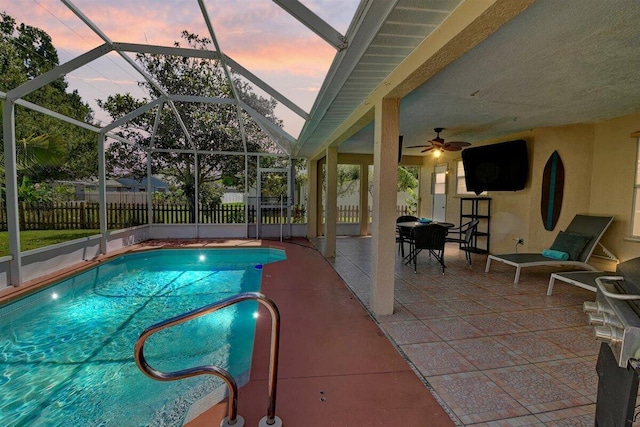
(440, 182)
(635, 216)
(461, 185)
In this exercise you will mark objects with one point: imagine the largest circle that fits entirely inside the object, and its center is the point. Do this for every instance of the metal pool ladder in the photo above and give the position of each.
(232, 419)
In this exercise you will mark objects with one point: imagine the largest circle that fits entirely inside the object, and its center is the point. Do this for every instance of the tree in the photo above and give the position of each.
(349, 177)
(212, 126)
(47, 148)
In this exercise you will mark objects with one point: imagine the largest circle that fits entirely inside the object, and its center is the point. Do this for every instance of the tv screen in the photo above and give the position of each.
(496, 167)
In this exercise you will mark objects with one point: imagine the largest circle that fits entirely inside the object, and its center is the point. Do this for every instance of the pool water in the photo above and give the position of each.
(66, 352)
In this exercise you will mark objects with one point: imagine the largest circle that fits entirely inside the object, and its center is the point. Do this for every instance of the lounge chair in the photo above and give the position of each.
(581, 279)
(586, 225)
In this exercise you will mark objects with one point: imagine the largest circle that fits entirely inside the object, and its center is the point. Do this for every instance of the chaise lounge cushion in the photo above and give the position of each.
(571, 243)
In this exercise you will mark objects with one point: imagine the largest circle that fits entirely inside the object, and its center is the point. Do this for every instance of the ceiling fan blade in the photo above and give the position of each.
(418, 146)
(455, 145)
(427, 149)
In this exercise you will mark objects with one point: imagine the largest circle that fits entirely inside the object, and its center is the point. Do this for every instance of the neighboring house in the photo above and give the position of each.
(121, 190)
(130, 184)
(83, 188)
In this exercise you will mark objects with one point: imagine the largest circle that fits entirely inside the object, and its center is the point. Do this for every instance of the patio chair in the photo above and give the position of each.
(427, 237)
(579, 240)
(465, 234)
(403, 234)
(581, 279)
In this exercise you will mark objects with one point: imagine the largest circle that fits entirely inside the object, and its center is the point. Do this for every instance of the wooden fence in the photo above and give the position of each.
(86, 215)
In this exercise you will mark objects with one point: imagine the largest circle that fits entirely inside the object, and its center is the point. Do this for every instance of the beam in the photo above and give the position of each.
(207, 54)
(131, 62)
(265, 123)
(132, 115)
(268, 89)
(57, 72)
(166, 50)
(202, 99)
(42, 110)
(314, 23)
(102, 193)
(227, 73)
(11, 188)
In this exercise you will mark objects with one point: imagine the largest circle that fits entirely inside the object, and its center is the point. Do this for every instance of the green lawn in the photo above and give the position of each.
(38, 239)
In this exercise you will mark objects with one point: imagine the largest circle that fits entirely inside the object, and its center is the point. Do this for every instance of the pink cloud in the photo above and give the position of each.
(259, 35)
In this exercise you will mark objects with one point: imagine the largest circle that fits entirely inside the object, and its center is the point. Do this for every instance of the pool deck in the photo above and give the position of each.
(337, 367)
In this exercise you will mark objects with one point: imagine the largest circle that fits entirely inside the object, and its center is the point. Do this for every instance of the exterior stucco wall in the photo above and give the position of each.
(613, 175)
(599, 162)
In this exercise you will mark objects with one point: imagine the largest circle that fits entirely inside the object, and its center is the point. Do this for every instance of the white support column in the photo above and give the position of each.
(385, 178)
(11, 183)
(102, 193)
(364, 199)
(152, 145)
(321, 197)
(312, 199)
(331, 204)
(196, 195)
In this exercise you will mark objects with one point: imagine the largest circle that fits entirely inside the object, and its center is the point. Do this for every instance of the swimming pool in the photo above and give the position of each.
(66, 352)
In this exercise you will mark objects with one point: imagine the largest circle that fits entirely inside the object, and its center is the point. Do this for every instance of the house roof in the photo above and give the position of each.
(155, 182)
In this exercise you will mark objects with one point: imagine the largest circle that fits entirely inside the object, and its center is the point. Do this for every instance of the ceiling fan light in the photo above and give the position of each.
(437, 153)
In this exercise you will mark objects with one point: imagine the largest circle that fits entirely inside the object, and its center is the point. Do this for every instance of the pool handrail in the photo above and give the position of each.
(232, 418)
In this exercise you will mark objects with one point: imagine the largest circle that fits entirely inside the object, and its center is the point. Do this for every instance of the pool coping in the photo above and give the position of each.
(27, 288)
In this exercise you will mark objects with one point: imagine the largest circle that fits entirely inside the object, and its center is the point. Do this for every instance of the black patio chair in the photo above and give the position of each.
(465, 233)
(427, 237)
(402, 235)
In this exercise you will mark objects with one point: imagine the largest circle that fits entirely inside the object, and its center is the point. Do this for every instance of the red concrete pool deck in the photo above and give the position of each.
(337, 368)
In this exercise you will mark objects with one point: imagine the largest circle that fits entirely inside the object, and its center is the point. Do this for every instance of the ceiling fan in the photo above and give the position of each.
(438, 143)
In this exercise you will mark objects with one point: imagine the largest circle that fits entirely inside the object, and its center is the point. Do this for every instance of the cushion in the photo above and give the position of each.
(571, 243)
(550, 253)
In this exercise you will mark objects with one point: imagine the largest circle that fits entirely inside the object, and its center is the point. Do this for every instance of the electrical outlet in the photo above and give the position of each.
(520, 241)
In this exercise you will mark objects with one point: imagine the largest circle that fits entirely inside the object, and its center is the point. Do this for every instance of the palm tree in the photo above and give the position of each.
(35, 155)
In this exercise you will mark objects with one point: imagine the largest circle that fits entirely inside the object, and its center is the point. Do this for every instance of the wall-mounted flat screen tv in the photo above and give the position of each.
(496, 167)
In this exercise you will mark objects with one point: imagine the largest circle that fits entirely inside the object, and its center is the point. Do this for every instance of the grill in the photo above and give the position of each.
(615, 315)
(616, 318)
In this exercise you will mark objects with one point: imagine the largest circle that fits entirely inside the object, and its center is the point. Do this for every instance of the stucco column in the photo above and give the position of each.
(364, 199)
(312, 199)
(383, 230)
(331, 203)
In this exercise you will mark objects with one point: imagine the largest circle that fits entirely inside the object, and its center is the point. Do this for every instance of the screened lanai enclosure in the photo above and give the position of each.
(180, 140)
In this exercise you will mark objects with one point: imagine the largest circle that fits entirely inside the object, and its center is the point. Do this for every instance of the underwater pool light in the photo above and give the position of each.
(202, 258)
(255, 314)
(54, 296)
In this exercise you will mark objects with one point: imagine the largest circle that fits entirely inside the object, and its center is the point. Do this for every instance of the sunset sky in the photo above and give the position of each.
(258, 34)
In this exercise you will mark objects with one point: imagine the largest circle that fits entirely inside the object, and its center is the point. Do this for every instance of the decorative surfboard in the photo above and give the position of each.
(552, 191)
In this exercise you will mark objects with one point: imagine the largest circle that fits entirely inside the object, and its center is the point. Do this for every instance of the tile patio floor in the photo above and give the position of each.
(493, 353)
